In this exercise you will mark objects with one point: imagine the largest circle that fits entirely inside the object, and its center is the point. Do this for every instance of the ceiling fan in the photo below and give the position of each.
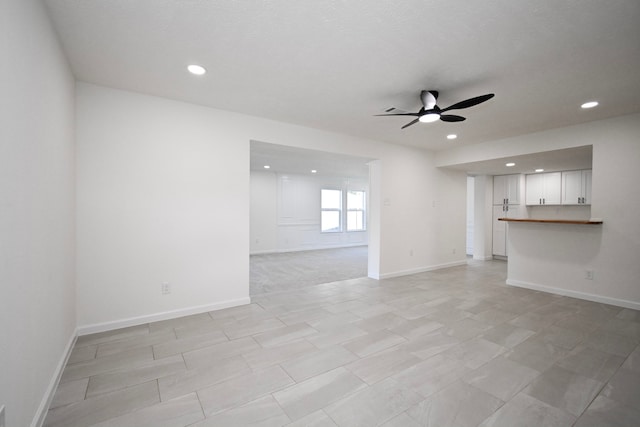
(430, 112)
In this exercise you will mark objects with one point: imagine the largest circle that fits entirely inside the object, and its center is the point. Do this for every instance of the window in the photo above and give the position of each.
(331, 210)
(355, 211)
(331, 215)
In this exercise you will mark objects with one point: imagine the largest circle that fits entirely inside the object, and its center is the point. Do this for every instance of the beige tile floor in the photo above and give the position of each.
(453, 347)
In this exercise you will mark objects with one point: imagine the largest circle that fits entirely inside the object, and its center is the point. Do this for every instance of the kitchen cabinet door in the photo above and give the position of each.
(544, 189)
(576, 187)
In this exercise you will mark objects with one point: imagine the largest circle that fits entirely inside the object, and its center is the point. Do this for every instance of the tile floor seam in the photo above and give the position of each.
(204, 414)
(331, 418)
(226, 335)
(278, 403)
(604, 384)
(86, 389)
(484, 391)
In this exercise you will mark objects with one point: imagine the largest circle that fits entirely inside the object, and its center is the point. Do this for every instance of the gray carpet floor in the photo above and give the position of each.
(295, 270)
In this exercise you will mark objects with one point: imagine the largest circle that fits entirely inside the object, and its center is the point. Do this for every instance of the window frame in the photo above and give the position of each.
(343, 210)
(339, 210)
(363, 211)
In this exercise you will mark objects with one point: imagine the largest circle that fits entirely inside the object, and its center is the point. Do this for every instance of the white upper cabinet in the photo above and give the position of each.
(506, 190)
(576, 187)
(544, 189)
(534, 189)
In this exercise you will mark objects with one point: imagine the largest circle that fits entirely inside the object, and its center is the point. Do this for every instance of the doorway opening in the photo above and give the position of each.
(309, 213)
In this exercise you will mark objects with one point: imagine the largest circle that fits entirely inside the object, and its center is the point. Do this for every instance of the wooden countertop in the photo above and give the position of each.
(553, 221)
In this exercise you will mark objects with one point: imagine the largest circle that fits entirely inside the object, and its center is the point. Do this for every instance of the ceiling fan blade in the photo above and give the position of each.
(428, 98)
(413, 122)
(395, 110)
(469, 102)
(452, 118)
(399, 114)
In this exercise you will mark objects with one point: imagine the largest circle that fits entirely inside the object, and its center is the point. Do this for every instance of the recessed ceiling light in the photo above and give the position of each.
(313, 171)
(539, 170)
(196, 69)
(267, 167)
(452, 136)
(509, 165)
(589, 104)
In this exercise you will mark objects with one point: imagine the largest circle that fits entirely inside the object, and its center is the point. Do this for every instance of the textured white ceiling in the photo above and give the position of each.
(333, 64)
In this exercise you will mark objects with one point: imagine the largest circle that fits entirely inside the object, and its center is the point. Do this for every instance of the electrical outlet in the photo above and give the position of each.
(2, 416)
(165, 288)
(453, 251)
(588, 274)
(411, 252)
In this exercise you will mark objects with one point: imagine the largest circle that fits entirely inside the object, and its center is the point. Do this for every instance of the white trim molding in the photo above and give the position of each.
(140, 320)
(575, 294)
(422, 269)
(43, 408)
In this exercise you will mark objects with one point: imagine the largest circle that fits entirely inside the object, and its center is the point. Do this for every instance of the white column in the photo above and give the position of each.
(482, 235)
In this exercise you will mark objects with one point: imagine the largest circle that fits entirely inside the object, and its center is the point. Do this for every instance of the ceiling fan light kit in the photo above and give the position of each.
(429, 118)
(430, 112)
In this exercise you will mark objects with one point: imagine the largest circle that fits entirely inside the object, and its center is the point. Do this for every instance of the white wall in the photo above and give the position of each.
(470, 213)
(423, 215)
(163, 196)
(296, 201)
(555, 258)
(374, 204)
(37, 291)
(483, 218)
(264, 212)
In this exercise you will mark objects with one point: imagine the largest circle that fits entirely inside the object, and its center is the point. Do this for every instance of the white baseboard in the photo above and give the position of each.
(483, 258)
(141, 320)
(43, 408)
(575, 294)
(422, 269)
